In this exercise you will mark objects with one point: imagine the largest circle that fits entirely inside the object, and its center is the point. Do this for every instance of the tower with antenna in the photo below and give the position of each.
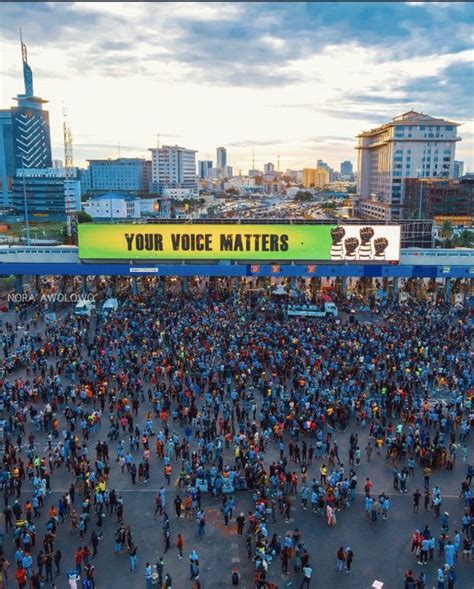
(30, 123)
(69, 184)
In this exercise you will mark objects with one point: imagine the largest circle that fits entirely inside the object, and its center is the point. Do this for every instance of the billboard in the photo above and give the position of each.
(351, 243)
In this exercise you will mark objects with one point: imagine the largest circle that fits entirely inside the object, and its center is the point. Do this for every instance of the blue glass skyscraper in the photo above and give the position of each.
(30, 124)
(24, 134)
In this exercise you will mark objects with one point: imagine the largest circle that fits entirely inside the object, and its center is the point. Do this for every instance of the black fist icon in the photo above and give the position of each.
(351, 244)
(380, 245)
(337, 234)
(366, 234)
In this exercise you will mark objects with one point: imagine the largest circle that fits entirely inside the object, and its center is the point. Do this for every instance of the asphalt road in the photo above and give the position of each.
(382, 550)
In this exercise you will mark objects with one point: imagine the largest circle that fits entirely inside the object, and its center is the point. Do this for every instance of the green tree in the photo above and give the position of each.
(329, 206)
(465, 239)
(303, 196)
(446, 232)
(83, 217)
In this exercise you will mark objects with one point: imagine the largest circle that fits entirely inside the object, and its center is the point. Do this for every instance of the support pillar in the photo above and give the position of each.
(396, 287)
(185, 284)
(84, 285)
(344, 286)
(19, 283)
(448, 285)
(134, 286)
(162, 285)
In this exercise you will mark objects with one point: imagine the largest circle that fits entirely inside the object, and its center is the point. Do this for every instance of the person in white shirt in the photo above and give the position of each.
(307, 572)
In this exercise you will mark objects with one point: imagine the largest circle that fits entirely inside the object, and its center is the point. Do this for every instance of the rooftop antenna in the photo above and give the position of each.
(27, 72)
(253, 158)
(24, 53)
(278, 162)
(69, 176)
(158, 141)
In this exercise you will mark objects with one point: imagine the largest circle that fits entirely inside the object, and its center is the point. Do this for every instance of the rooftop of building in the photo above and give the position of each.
(410, 117)
(118, 160)
(166, 147)
(114, 196)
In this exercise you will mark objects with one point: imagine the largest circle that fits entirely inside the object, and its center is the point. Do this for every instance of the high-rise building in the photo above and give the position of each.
(332, 176)
(221, 157)
(120, 175)
(227, 172)
(322, 177)
(204, 167)
(174, 171)
(30, 124)
(346, 168)
(57, 164)
(47, 190)
(268, 168)
(254, 173)
(24, 134)
(308, 177)
(7, 157)
(428, 198)
(458, 169)
(315, 177)
(412, 145)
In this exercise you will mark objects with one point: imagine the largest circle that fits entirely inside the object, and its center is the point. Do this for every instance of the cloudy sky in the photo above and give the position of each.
(295, 79)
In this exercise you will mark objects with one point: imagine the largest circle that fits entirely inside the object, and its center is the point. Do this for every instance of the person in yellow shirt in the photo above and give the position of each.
(324, 473)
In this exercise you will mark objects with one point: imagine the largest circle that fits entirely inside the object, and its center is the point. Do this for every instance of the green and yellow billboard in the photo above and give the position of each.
(238, 242)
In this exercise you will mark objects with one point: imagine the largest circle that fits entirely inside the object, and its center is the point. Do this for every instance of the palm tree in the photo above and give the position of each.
(465, 239)
(446, 231)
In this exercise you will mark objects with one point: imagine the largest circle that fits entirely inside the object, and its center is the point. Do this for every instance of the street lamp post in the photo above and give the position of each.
(25, 204)
(420, 203)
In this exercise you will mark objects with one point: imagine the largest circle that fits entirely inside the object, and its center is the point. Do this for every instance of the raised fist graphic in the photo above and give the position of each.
(380, 245)
(351, 244)
(337, 234)
(366, 234)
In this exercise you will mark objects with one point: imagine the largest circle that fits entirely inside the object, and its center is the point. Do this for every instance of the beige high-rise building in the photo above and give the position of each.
(315, 177)
(412, 145)
(321, 177)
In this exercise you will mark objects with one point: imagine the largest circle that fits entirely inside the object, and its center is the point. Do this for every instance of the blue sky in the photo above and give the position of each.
(295, 79)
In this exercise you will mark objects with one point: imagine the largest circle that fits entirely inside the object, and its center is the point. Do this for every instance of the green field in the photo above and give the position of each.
(38, 230)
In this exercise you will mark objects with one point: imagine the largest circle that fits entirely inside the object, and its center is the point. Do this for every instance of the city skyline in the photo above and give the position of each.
(271, 77)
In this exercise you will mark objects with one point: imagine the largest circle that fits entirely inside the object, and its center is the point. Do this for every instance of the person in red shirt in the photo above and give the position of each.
(78, 558)
(21, 577)
(180, 546)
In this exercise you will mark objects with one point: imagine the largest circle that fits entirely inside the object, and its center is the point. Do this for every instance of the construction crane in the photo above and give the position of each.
(71, 208)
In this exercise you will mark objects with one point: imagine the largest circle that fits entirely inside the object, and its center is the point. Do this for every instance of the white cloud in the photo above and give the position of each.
(124, 81)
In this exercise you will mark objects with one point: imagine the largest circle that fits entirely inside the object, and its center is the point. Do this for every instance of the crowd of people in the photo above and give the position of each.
(220, 401)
